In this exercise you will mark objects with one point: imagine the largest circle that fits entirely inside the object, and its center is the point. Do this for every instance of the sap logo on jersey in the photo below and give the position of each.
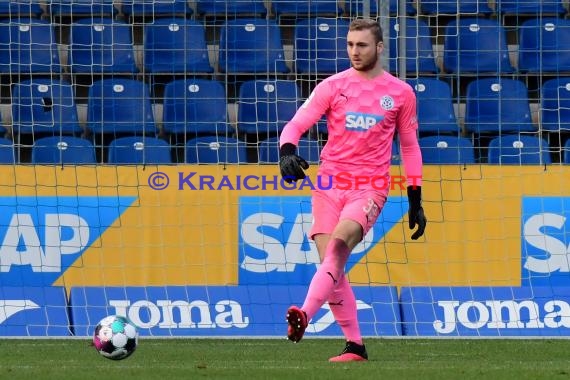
(545, 245)
(274, 246)
(361, 122)
(41, 237)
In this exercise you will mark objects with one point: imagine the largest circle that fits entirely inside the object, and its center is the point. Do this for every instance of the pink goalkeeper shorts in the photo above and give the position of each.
(333, 205)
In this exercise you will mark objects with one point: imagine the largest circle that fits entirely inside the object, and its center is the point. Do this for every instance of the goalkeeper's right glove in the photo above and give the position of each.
(291, 164)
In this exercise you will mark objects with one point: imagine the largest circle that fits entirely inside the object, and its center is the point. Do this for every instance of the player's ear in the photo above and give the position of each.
(380, 46)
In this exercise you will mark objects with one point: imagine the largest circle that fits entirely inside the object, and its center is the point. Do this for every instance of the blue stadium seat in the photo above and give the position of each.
(307, 8)
(420, 58)
(101, 46)
(139, 150)
(215, 150)
(447, 150)
(120, 105)
(518, 150)
(435, 110)
(29, 9)
(544, 45)
(265, 106)
(530, 7)
(497, 105)
(7, 153)
(153, 8)
(476, 45)
(28, 46)
(231, 8)
(175, 45)
(555, 105)
(355, 8)
(309, 149)
(321, 126)
(453, 7)
(566, 153)
(251, 45)
(63, 150)
(194, 106)
(44, 106)
(75, 8)
(320, 45)
(396, 159)
(2, 129)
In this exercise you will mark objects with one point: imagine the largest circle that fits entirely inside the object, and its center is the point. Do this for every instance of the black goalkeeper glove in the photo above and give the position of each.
(416, 211)
(291, 164)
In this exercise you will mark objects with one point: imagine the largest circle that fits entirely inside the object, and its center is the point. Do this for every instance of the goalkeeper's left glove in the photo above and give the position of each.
(416, 211)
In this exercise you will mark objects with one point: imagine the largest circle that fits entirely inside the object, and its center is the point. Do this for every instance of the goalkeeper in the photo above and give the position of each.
(364, 106)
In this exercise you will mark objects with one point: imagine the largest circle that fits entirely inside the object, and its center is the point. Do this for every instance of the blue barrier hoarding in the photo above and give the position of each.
(485, 311)
(33, 311)
(224, 310)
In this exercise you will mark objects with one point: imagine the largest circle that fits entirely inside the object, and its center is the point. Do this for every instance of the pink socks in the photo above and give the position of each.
(343, 306)
(327, 276)
(330, 284)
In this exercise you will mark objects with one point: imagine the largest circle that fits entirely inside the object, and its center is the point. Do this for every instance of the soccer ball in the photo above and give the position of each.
(115, 337)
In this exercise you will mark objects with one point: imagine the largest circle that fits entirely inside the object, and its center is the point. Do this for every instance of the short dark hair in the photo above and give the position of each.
(368, 24)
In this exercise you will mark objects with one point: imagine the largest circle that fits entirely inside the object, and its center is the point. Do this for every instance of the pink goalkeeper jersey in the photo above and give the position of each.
(362, 115)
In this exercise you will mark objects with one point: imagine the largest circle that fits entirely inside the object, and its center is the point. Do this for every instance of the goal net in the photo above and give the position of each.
(139, 167)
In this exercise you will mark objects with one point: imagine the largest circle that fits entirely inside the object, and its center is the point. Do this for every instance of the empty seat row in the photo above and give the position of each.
(216, 149)
(121, 105)
(152, 150)
(58, 8)
(77, 150)
(484, 7)
(200, 106)
(280, 7)
(42, 106)
(203, 8)
(171, 46)
(492, 106)
(254, 45)
(479, 46)
(356, 7)
(507, 149)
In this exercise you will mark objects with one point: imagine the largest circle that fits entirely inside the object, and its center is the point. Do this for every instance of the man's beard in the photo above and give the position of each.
(369, 66)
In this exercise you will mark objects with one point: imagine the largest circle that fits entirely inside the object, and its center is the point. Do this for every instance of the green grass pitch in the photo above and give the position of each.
(170, 359)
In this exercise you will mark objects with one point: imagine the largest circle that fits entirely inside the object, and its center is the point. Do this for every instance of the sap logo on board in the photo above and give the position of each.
(40, 237)
(274, 238)
(361, 122)
(545, 245)
(557, 252)
(181, 314)
(502, 314)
